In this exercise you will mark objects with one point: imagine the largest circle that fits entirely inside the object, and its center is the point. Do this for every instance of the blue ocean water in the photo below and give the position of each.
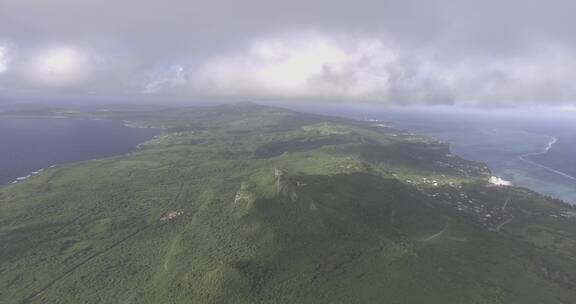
(30, 144)
(538, 153)
(535, 149)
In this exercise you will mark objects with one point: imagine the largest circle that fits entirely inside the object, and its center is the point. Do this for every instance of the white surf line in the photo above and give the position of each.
(553, 140)
(23, 178)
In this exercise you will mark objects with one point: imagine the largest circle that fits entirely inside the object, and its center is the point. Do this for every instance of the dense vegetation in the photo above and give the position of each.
(251, 204)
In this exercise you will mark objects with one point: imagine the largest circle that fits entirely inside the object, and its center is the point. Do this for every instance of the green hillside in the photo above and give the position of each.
(252, 204)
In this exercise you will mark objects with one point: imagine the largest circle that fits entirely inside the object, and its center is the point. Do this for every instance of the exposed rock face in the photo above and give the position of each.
(279, 173)
(171, 215)
(284, 186)
(243, 195)
(313, 206)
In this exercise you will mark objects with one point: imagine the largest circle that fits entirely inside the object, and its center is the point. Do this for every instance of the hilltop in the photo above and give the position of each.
(253, 204)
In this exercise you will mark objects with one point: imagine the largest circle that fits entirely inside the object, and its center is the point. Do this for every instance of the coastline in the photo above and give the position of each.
(23, 178)
(516, 166)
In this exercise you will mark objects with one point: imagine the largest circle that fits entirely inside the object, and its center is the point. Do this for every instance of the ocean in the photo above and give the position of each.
(31, 144)
(535, 149)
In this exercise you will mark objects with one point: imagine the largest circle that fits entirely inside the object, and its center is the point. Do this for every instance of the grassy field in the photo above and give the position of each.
(251, 204)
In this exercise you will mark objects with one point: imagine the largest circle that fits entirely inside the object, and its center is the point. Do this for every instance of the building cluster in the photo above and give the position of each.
(486, 215)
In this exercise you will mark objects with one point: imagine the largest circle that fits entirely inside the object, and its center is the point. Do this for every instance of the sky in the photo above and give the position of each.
(450, 52)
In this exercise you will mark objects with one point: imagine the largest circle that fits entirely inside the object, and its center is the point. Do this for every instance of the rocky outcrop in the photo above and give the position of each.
(244, 195)
(284, 186)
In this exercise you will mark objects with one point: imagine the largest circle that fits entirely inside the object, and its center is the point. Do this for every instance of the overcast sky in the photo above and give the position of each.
(478, 52)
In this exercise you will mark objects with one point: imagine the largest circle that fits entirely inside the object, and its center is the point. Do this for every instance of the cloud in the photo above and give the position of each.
(4, 58)
(57, 66)
(314, 66)
(368, 69)
(166, 81)
(481, 52)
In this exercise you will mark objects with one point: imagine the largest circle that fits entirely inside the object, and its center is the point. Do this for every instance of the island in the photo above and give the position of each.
(245, 203)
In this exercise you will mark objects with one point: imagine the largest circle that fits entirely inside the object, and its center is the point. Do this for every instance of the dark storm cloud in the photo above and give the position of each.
(433, 51)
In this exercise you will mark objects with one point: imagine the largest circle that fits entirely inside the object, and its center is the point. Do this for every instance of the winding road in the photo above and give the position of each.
(504, 223)
(508, 221)
(439, 233)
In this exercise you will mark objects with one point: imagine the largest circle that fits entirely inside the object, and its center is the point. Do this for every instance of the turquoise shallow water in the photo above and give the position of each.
(502, 150)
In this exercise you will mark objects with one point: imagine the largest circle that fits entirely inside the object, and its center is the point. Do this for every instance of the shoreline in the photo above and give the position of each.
(32, 174)
(132, 124)
(551, 143)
